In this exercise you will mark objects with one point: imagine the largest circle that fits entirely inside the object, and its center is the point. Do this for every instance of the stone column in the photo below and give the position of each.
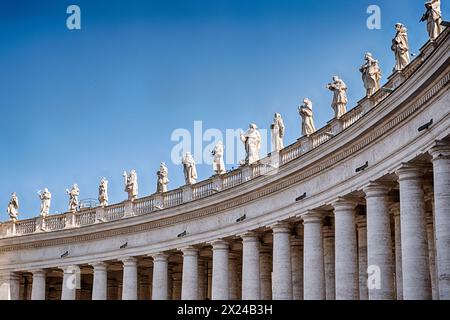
(160, 277)
(100, 282)
(346, 257)
(395, 209)
(70, 284)
(297, 267)
(265, 268)
(233, 277)
(313, 263)
(202, 279)
(251, 286)
(112, 290)
(431, 257)
(415, 268)
(282, 268)
(220, 281)
(362, 257)
(176, 285)
(441, 172)
(380, 259)
(189, 284)
(329, 261)
(9, 286)
(38, 285)
(129, 285)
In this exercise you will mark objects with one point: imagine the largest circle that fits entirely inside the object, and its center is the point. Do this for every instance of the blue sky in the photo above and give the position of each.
(79, 105)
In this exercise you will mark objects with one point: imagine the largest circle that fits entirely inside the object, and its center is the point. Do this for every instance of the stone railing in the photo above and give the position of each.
(266, 166)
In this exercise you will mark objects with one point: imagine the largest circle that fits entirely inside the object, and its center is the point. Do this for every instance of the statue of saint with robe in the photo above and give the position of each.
(190, 171)
(433, 17)
(218, 163)
(46, 198)
(13, 207)
(131, 184)
(103, 192)
(371, 75)
(277, 129)
(252, 142)
(306, 112)
(339, 103)
(73, 198)
(400, 47)
(163, 178)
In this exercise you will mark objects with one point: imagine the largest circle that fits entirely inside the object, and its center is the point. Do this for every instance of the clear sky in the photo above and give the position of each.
(77, 105)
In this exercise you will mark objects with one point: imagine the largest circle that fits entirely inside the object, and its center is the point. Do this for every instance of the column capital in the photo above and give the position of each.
(129, 261)
(328, 232)
(249, 236)
(38, 272)
(395, 208)
(189, 251)
(296, 241)
(440, 150)
(410, 171)
(99, 266)
(361, 222)
(313, 216)
(159, 256)
(344, 204)
(280, 227)
(220, 244)
(376, 189)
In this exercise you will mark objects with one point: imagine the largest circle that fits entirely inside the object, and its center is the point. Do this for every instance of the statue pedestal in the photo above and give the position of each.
(217, 183)
(70, 220)
(187, 193)
(99, 214)
(129, 209)
(247, 173)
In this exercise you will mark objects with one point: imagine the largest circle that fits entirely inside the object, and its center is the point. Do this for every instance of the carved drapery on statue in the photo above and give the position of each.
(371, 75)
(339, 103)
(163, 178)
(306, 112)
(252, 142)
(46, 198)
(218, 163)
(131, 184)
(103, 192)
(433, 17)
(400, 47)
(277, 129)
(73, 198)
(190, 171)
(13, 207)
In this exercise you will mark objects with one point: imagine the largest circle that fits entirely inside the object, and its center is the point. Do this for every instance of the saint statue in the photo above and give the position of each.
(103, 192)
(433, 17)
(46, 198)
(218, 163)
(277, 128)
(73, 198)
(306, 112)
(131, 184)
(163, 178)
(400, 47)
(13, 207)
(339, 89)
(252, 142)
(190, 171)
(371, 75)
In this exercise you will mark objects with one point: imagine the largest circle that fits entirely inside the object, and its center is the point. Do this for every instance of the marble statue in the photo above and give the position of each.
(339, 89)
(277, 129)
(13, 207)
(190, 171)
(163, 178)
(306, 112)
(131, 184)
(218, 163)
(46, 198)
(433, 17)
(103, 192)
(73, 198)
(400, 47)
(371, 75)
(252, 142)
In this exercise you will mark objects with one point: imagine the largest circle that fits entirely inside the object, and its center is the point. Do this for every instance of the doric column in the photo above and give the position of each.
(70, 282)
(99, 287)
(346, 255)
(129, 285)
(265, 268)
(380, 257)
(189, 283)
(220, 284)
(160, 277)
(329, 259)
(233, 277)
(112, 290)
(362, 257)
(431, 257)
(415, 268)
(38, 285)
(9, 286)
(395, 209)
(176, 285)
(202, 279)
(313, 264)
(282, 269)
(251, 286)
(297, 266)
(441, 172)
